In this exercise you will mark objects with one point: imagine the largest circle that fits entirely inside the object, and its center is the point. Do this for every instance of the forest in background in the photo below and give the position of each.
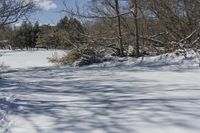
(118, 27)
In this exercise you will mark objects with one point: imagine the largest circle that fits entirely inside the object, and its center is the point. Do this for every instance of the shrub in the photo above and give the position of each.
(3, 66)
(89, 56)
(71, 57)
(77, 57)
(54, 59)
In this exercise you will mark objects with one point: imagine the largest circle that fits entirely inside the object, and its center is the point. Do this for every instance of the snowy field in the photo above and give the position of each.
(27, 59)
(149, 95)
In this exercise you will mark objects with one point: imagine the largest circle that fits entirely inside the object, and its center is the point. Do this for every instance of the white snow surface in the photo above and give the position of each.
(170, 61)
(28, 59)
(158, 94)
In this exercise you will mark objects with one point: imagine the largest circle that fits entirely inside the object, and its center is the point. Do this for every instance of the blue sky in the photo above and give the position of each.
(50, 12)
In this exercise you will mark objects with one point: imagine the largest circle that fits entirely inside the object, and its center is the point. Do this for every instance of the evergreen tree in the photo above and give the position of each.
(46, 37)
(29, 36)
(72, 32)
(24, 35)
(36, 30)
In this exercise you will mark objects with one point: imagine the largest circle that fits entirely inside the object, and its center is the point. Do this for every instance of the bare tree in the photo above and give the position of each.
(108, 14)
(153, 26)
(12, 10)
(117, 9)
(135, 14)
(180, 18)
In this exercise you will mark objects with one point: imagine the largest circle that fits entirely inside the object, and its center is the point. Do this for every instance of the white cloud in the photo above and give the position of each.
(46, 4)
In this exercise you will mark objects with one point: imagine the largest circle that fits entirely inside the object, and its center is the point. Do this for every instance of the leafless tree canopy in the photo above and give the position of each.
(120, 27)
(145, 25)
(12, 10)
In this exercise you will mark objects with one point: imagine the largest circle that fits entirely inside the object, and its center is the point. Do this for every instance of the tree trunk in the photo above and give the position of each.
(119, 28)
(135, 14)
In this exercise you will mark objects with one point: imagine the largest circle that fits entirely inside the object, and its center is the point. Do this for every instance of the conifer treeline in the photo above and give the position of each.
(61, 36)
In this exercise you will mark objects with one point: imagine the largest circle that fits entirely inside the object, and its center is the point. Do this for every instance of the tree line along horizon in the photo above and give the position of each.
(120, 27)
(33, 35)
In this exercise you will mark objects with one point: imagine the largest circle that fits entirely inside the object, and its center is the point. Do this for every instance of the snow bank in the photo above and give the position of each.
(27, 59)
(170, 61)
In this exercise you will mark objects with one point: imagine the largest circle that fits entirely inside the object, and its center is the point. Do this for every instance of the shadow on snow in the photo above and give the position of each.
(89, 100)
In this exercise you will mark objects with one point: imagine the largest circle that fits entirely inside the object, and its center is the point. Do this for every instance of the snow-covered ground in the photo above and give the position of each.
(27, 59)
(149, 95)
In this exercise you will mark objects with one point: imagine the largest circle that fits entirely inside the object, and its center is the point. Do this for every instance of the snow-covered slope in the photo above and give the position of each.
(68, 100)
(170, 61)
(134, 96)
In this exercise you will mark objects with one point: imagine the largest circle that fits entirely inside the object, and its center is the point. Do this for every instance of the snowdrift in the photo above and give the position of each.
(177, 60)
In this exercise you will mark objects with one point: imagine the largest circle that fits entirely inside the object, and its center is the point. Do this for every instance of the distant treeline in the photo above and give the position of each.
(128, 27)
(28, 36)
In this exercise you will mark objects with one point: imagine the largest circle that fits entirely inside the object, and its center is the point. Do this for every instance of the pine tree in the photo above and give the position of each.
(23, 37)
(72, 32)
(36, 30)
